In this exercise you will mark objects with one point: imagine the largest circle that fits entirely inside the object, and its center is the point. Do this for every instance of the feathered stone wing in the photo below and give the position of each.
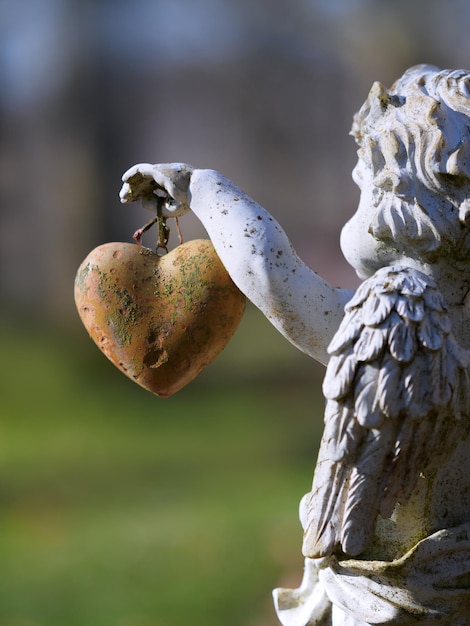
(397, 398)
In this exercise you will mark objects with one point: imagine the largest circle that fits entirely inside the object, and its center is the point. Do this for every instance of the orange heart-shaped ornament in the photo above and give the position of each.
(160, 319)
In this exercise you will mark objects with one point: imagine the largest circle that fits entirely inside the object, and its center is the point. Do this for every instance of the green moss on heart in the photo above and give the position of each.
(124, 316)
(123, 310)
(81, 279)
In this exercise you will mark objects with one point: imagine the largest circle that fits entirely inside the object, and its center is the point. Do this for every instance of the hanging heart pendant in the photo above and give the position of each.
(160, 319)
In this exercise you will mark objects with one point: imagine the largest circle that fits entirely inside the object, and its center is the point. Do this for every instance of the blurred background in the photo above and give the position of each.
(118, 508)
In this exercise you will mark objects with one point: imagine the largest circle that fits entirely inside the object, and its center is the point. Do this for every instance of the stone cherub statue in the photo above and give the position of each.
(387, 522)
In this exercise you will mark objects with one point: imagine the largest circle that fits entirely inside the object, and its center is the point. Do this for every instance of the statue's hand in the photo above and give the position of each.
(159, 187)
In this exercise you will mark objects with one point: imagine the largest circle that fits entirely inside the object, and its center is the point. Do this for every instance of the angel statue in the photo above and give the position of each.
(387, 521)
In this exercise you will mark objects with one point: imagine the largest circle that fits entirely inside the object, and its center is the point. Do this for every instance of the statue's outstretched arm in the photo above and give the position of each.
(252, 246)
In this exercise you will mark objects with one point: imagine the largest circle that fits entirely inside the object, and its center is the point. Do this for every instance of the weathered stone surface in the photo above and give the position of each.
(160, 319)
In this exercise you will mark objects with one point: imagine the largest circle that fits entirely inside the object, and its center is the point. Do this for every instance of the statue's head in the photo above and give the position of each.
(414, 169)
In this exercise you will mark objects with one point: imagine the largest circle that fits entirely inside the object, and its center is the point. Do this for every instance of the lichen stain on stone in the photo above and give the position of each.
(82, 275)
(120, 327)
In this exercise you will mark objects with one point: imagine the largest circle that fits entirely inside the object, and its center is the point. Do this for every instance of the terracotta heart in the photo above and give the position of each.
(160, 319)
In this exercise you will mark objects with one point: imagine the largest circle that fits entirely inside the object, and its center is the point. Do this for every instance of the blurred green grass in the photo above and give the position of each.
(118, 508)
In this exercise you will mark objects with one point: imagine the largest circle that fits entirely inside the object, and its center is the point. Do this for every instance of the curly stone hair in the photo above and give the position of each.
(415, 138)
